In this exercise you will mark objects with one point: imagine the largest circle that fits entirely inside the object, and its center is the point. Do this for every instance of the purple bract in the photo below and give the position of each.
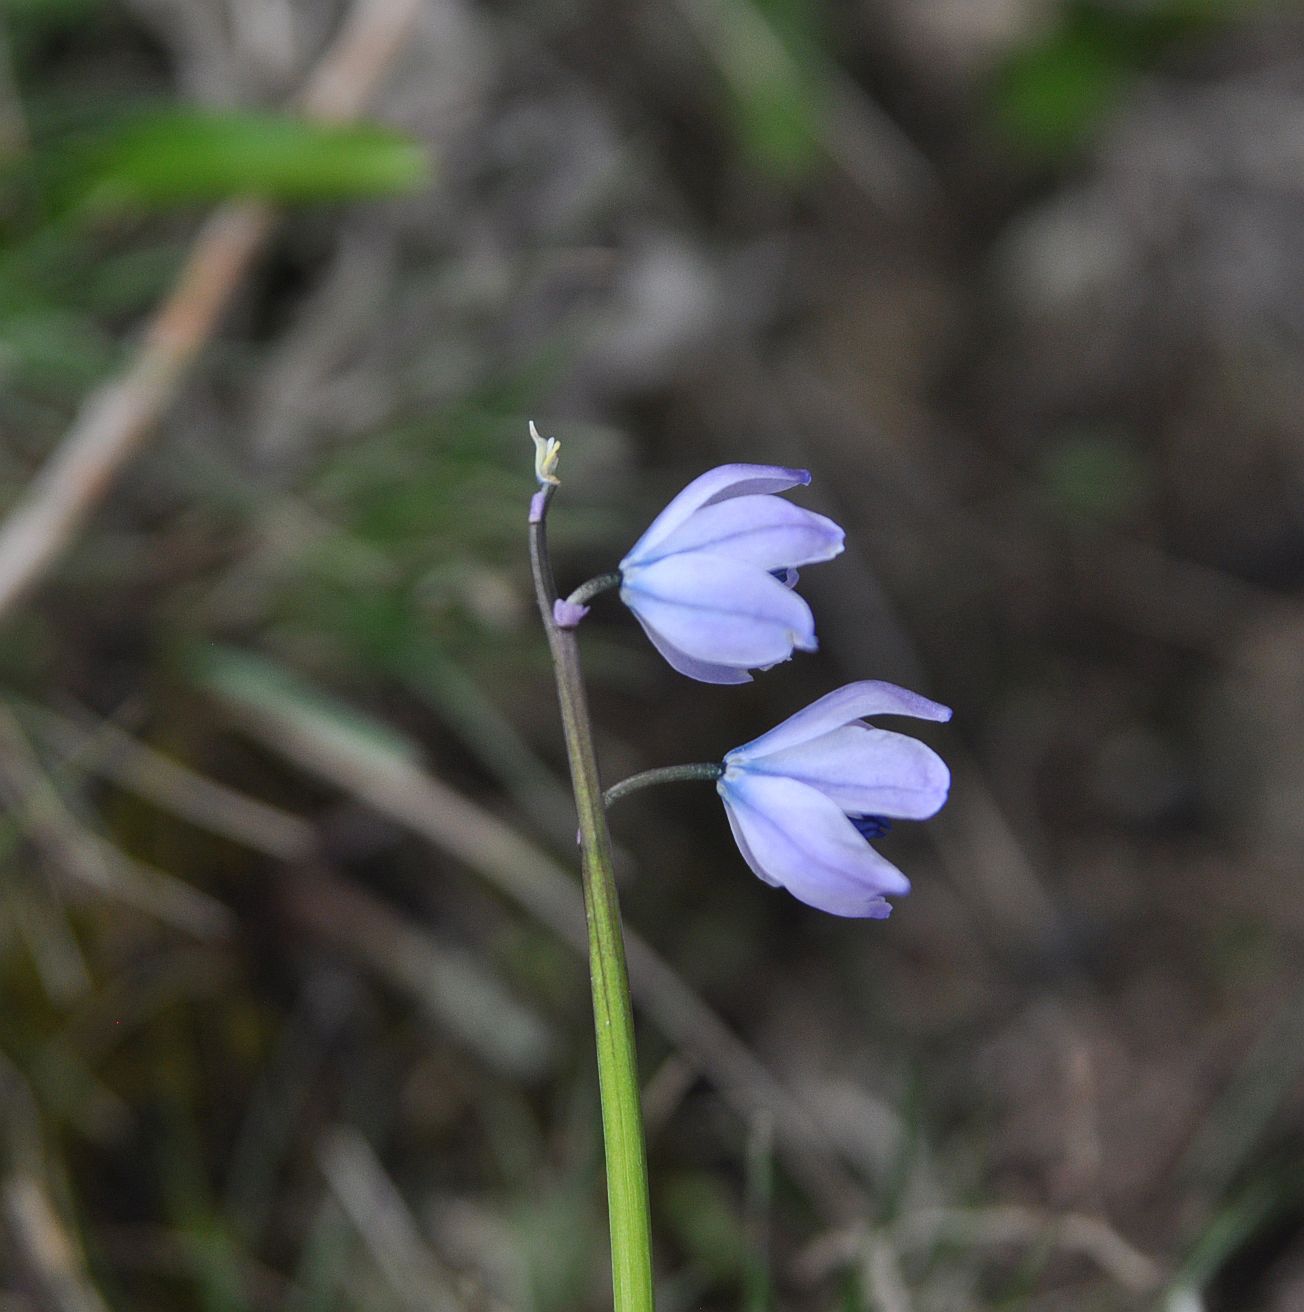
(711, 579)
(794, 796)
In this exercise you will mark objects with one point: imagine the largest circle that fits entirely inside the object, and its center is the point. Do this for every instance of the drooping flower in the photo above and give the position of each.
(804, 799)
(711, 580)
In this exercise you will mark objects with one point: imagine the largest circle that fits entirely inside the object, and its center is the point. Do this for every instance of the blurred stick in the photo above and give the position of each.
(371, 1200)
(858, 135)
(454, 986)
(921, 1230)
(41, 1255)
(116, 420)
(102, 748)
(42, 1247)
(40, 809)
(14, 136)
(884, 1282)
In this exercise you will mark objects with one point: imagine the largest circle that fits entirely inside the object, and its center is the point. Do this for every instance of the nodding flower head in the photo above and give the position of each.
(711, 580)
(804, 799)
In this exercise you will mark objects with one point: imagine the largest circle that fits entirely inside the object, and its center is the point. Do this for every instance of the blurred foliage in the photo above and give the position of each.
(777, 94)
(1100, 475)
(174, 156)
(1054, 91)
(63, 269)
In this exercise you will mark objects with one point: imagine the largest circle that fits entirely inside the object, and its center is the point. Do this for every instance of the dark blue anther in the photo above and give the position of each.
(871, 826)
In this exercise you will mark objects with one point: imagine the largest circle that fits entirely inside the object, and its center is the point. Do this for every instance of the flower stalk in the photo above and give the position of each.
(594, 587)
(666, 774)
(618, 1083)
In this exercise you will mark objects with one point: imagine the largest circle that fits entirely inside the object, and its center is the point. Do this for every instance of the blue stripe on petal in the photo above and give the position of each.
(759, 530)
(717, 484)
(866, 771)
(798, 838)
(852, 702)
(741, 839)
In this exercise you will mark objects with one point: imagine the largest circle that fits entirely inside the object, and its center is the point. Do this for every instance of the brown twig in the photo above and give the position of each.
(115, 421)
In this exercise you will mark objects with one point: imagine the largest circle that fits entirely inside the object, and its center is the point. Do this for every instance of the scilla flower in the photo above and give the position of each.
(804, 799)
(711, 579)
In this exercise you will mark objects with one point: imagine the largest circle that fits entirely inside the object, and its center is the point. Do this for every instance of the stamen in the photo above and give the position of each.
(871, 826)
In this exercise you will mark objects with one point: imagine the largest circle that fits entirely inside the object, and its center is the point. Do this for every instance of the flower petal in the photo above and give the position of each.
(715, 485)
(866, 771)
(872, 910)
(856, 700)
(702, 671)
(741, 839)
(718, 610)
(758, 530)
(796, 837)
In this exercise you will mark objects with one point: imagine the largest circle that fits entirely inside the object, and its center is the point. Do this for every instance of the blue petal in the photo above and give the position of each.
(741, 839)
(865, 771)
(717, 484)
(702, 671)
(794, 836)
(717, 610)
(758, 530)
(855, 701)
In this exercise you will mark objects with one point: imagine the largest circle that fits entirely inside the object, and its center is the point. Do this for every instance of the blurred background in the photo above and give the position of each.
(293, 1015)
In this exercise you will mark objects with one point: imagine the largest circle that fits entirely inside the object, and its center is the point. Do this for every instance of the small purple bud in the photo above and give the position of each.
(567, 614)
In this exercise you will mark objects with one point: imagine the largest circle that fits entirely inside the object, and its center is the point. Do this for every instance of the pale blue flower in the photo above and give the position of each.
(804, 799)
(711, 579)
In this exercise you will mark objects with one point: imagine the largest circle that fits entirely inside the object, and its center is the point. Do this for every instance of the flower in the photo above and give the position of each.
(804, 799)
(711, 579)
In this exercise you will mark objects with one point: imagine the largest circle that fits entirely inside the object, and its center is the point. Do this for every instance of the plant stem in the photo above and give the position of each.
(618, 1083)
(595, 587)
(666, 774)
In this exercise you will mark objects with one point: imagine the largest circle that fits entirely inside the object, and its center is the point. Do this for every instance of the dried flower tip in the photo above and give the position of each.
(547, 451)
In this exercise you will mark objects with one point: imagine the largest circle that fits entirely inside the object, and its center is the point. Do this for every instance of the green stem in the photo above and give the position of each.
(666, 774)
(595, 587)
(618, 1083)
